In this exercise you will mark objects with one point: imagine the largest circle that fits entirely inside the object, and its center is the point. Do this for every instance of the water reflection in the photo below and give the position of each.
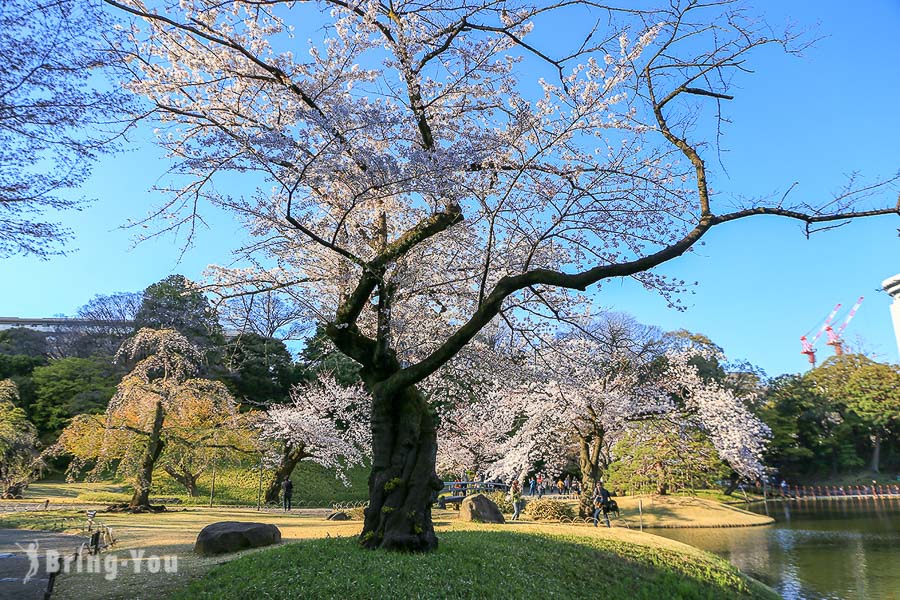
(842, 548)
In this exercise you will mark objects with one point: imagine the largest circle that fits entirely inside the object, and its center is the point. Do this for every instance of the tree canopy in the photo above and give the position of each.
(19, 460)
(175, 303)
(53, 120)
(433, 169)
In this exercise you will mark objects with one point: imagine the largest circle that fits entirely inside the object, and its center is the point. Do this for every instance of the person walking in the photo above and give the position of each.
(532, 486)
(515, 494)
(287, 490)
(601, 504)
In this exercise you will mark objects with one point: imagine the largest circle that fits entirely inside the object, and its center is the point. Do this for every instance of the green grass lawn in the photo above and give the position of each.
(314, 486)
(468, 552)
(44, 520)
(486, 563)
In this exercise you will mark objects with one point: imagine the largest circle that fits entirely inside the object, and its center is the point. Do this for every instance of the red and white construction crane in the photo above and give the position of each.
(834, 337)
(809, 347)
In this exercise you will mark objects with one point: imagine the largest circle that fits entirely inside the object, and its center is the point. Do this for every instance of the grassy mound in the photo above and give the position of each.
(479, 564)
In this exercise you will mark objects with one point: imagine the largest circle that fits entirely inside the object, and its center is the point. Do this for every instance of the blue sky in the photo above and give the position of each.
(813, 120)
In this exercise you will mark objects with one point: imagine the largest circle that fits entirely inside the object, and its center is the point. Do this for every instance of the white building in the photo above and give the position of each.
(892, 286)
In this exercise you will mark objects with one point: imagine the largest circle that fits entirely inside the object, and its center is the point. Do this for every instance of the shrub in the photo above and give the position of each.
(357, 513)
(544, 509)
(501, 500)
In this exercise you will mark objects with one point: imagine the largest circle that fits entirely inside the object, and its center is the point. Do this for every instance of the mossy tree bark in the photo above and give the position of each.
(403, 482)
(590, 460)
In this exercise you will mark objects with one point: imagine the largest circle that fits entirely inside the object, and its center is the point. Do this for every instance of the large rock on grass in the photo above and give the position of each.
(231, 536)
(480, 508)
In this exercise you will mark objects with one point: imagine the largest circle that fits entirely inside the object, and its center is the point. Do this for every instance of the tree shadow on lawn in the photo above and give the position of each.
(477, 564)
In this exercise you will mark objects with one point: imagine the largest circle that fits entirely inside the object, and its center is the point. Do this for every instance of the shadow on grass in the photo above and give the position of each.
(477, 564)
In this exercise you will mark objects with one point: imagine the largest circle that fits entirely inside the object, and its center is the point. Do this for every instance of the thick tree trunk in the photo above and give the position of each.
(185, 478)
(662, 485)
(141, 497)
(876, 452)
(291, 456)
(589, 463)
(733, 481)
(403, 481)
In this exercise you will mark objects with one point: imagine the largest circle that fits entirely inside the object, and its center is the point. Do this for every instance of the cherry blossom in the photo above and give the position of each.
(426, 172)
(327, 423)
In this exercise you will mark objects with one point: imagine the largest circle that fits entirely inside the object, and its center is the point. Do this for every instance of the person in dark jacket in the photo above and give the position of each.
(601, 504)
(287, 490)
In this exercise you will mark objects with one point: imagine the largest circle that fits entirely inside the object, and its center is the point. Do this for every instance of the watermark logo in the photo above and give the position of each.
(110, 565)
(34, 560)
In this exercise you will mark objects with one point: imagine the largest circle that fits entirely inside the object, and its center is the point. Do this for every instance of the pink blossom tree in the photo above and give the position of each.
(325, 423)
(578, 397)
(427, 169)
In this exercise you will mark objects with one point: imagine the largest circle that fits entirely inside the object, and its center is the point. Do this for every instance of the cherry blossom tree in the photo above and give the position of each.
(578, 400)
(54, 120)
(471, 435)
(579, 397)
(738, 436)
(204, 429)
(325, 423)
(426, 169)
(158, 405)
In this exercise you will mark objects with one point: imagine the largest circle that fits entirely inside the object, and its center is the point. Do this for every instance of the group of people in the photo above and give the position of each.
(541, 484)
(602, 501)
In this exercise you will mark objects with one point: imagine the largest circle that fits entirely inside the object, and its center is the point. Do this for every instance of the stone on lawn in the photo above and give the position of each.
(231, 536)
(480, 508)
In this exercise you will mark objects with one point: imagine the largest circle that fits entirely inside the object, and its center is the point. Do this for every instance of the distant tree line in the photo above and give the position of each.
(837, 418)
(68, 378)
(841, 416)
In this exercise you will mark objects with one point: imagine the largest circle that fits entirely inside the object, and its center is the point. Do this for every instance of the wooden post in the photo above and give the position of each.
(212, 488)
(259, 488)
(641, 512)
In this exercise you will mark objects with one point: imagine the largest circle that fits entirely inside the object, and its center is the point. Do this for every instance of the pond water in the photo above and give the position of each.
(848, 549)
